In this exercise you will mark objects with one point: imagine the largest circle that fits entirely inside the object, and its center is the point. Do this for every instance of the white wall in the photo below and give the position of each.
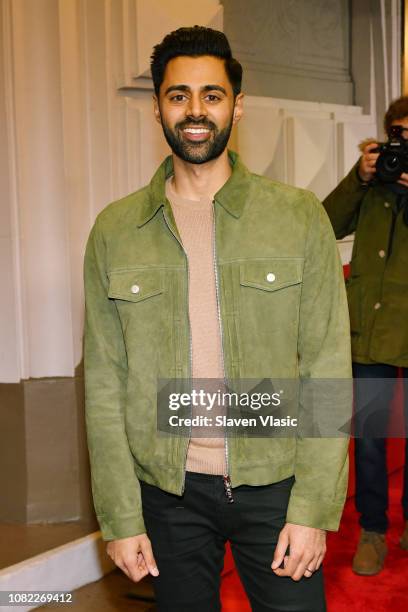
(80, 133)
(306, 144)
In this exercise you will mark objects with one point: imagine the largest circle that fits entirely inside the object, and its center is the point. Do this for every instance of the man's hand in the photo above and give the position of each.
(366, 169)
(307, 549)
(134, 556)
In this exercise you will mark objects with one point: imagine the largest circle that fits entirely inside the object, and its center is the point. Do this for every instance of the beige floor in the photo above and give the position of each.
(20, 541)
(113, 592)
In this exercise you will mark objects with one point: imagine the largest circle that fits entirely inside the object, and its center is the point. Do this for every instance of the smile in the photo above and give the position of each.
(196, 130)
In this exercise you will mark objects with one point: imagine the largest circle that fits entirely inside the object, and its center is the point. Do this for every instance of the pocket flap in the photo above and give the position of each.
(135, 285)
(271, 274)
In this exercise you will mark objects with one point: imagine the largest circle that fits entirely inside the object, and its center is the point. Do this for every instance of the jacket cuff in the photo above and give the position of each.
(314, 513)
(125, 527)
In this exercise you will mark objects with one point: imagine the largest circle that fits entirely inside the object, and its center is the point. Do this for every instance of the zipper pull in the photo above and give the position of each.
(228, 488)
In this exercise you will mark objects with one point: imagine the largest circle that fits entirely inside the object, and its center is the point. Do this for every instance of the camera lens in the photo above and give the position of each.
(391, 163)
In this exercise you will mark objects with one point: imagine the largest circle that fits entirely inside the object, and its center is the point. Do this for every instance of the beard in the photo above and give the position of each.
(197, 152)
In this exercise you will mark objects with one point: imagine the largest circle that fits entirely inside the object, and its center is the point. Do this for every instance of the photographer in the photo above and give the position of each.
(372, 201)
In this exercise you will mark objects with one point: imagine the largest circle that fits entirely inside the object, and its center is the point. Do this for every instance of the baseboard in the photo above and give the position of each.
(64, 568)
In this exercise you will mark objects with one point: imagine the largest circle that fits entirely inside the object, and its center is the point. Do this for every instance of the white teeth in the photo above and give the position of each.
(196, 130)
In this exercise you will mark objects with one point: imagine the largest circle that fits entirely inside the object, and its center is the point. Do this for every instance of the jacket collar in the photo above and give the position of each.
(232, 196)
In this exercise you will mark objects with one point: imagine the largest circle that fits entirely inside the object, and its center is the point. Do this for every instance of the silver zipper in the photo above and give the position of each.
(226, 477)
(189, 331)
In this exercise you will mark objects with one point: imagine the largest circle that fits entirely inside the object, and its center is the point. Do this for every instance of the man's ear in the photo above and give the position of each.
(156, 109)
(238, 108)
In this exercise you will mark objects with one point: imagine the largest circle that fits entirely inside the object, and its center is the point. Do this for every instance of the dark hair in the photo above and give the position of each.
(398, 109)
(194, 42)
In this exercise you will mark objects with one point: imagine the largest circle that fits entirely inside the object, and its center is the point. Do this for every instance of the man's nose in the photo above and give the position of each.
(196, 107)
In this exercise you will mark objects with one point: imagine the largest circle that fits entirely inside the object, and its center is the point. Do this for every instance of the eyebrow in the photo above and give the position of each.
(187, 88)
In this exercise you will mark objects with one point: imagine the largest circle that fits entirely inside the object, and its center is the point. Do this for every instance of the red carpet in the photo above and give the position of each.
(385, 592)
(347, 592)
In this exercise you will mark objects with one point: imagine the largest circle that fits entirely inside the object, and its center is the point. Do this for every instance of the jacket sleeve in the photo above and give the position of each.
(321, 463)
(115, 487)
(343, 203)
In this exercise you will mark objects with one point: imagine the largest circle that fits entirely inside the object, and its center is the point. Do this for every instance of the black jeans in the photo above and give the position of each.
(188, 535)
(370, 447)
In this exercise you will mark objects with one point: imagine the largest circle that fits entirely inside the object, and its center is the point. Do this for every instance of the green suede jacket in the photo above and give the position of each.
(377, 287)
(137, 330)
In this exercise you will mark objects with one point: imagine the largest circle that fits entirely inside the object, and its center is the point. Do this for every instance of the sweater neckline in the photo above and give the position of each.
(181, 202)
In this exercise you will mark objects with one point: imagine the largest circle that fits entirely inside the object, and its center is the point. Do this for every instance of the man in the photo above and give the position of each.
(214, 272)
(378, 301)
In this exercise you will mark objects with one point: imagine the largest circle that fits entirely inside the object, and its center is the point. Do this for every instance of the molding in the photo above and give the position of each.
(139, 83)
(330, 73)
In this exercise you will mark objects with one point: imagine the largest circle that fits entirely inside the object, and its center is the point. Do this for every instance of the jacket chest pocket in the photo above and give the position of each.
(271, 275)
(268, 304)
(139, 295)
(135, 285)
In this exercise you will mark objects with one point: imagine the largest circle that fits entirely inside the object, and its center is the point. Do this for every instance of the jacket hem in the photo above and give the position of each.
(365, 360)
(265, 473)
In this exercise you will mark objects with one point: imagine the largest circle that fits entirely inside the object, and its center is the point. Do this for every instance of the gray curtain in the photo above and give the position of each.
(376, 51)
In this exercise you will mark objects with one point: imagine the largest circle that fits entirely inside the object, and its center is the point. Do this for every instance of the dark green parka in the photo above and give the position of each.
(377, 287)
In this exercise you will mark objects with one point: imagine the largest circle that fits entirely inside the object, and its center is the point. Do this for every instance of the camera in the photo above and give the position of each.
(393, 159)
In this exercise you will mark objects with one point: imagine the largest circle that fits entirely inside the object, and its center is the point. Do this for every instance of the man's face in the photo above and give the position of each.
(196, 107)
(404, 124)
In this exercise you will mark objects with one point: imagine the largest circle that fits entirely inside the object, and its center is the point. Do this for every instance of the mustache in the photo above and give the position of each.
(196, 123)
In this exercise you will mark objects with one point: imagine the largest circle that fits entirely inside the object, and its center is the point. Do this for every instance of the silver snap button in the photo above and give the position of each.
(381, 253)
(377, 306)
(387, 204)
(270, 277)
(135, 288)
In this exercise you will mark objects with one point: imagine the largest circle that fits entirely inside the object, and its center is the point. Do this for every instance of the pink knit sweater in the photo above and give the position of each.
(194, 220)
